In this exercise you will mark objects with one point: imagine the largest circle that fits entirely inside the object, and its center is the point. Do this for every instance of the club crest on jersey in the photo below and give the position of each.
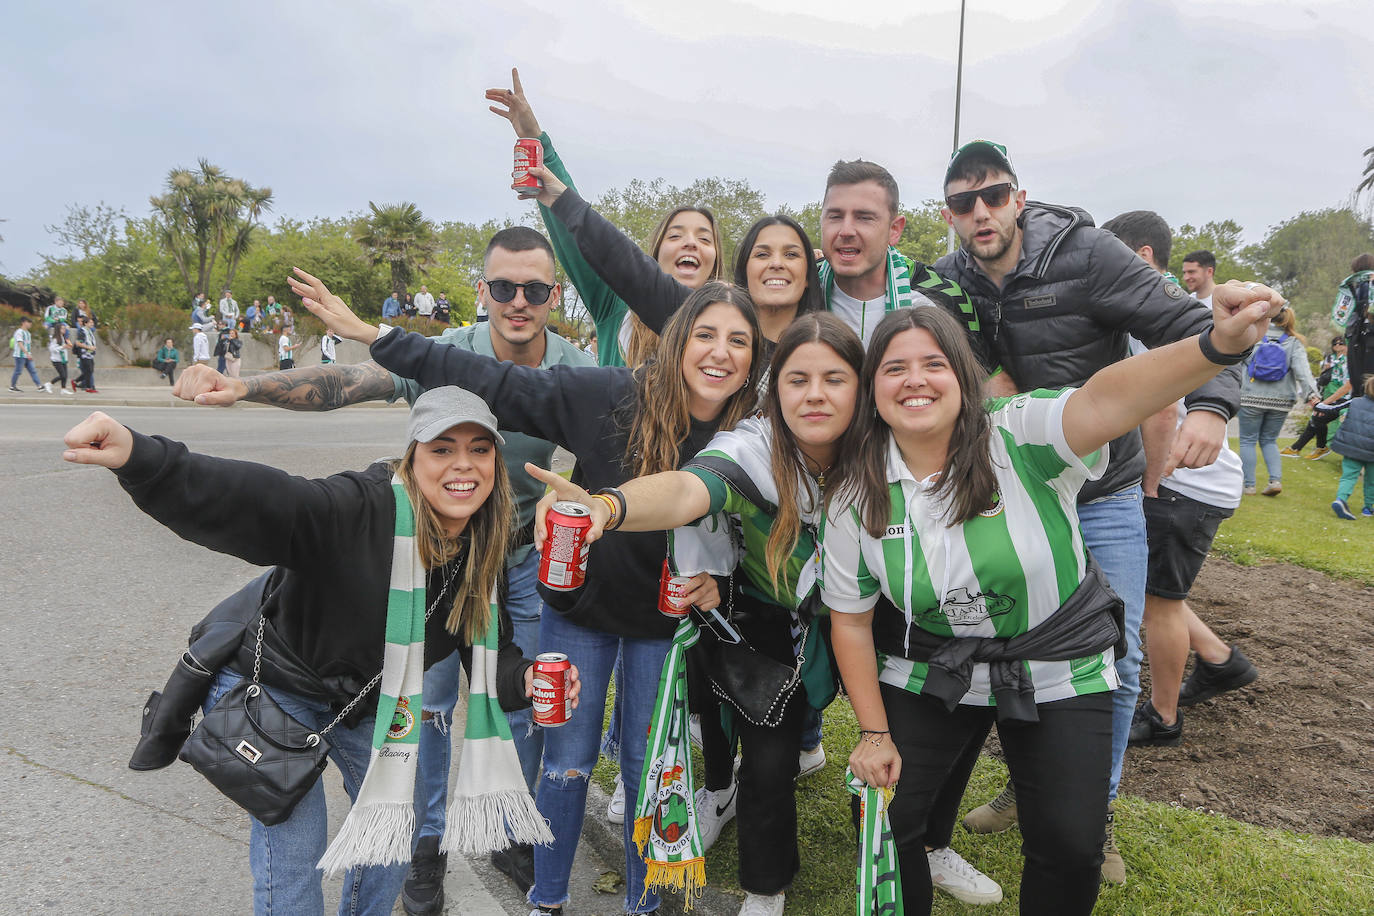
(996, 508)
(402, 720)
(964, 609)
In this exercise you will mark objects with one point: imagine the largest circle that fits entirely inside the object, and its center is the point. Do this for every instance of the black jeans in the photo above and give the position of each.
(167, 367)
(60, 380)
(86, 378)
(1060, 767)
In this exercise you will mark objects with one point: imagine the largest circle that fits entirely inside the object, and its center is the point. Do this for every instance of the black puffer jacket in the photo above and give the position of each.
(1066, 310)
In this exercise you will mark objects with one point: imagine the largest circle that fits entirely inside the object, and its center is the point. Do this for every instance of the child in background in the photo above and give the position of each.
(1355, 444)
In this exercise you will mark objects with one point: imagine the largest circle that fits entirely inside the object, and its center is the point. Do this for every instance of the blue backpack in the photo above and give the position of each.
(1270, 362)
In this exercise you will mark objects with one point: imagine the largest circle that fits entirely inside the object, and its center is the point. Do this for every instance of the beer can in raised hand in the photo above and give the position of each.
(528, 154)
(550, 694)
(672, 594)
(563, 564)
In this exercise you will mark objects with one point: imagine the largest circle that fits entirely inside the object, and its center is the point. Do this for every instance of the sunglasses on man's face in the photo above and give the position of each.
(994, 195)
(536, 293)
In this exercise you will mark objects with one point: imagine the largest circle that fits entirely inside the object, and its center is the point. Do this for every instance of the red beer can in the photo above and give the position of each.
(550, 695)
(528, 154)
(563, 565)
(672, 594)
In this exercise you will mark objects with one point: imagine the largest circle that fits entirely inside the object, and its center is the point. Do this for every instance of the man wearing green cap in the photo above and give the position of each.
(1056, 298)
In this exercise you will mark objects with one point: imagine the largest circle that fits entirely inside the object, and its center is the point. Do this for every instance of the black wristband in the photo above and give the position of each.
(1215, 356)
(619, 497)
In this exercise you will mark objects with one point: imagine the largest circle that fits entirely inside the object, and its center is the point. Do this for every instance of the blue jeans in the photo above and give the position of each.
(570, 751)
(1114, 530)
(20, 364)
(441, 696)
(282, 858)
(1259, 424)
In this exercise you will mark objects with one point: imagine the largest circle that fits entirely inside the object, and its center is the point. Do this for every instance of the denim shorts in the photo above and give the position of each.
(1180, 532)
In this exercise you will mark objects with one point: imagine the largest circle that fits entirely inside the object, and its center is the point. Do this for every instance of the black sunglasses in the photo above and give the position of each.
(994, 195)
(536, 293)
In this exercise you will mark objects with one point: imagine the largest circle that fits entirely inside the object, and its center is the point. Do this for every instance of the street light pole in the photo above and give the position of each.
(950, 241)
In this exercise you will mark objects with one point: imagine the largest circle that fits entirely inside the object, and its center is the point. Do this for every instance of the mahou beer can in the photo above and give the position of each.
(528, 154)
(672, 594)
(563, 565)
(550, 696)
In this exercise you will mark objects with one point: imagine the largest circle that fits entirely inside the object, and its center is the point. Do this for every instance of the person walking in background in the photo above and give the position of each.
(327, 352)
(21, 345)
(1334, 382)
(165, 362)
(222, 346)
(1354, 442)
(200, 345)
(285, 351)
(84, 344)
(233, 353)
(1276, 377)
(59, 352)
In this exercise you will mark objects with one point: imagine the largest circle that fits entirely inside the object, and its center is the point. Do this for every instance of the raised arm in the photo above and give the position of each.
(1122, 395)
(658, 502)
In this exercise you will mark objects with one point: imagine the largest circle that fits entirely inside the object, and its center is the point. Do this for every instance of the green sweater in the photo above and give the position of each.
(606, 308)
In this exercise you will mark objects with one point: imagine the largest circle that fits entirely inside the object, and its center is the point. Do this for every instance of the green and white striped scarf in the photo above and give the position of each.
(899, 294)
(879, 880)
(490, 793)
(666, 829)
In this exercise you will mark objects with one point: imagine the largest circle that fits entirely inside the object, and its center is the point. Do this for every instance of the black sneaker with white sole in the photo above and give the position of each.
(423, 893)
(1148, 728)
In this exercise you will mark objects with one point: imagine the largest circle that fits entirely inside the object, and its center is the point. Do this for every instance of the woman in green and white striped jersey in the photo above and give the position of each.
(961, 514)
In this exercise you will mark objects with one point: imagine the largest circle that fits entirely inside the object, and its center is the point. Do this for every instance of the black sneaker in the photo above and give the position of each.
(1207, 680)
(1149, 730)
(423, 893)
(516, 863)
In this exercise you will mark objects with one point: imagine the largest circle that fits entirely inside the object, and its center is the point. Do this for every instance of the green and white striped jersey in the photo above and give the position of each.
(998, 575)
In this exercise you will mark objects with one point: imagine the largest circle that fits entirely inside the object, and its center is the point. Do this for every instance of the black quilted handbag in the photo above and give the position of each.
(757, 686)
(256, 753)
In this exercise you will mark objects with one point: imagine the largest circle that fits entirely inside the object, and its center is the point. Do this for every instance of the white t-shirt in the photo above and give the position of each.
(283, 347)
(862, 315)
(424, 304)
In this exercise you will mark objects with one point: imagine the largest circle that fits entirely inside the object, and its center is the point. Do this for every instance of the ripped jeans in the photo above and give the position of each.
(570, 750)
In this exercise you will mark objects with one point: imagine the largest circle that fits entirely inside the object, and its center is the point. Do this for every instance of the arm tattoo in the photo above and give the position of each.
(320, 387)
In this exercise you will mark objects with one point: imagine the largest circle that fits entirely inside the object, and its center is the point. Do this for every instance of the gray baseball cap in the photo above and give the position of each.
(439, 409)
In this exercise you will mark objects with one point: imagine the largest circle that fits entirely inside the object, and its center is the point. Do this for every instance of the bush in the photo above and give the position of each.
(142, 328)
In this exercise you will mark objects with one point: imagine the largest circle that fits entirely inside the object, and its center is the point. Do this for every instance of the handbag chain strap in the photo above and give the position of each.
(257, 653)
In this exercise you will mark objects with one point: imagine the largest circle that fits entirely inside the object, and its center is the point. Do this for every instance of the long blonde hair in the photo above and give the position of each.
(488, 533)
(644, 342)
(662, 421)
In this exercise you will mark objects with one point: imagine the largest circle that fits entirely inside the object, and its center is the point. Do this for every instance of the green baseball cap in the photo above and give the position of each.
(994, 151)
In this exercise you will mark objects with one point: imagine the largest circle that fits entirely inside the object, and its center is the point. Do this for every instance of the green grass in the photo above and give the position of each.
(1179, 861)
(1298, 526)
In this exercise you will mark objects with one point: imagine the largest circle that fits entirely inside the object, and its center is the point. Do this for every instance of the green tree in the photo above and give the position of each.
(399, 236)
(638, 207)
(1367, 182)
(1222, 239)
(111, 260)
(205, 214)
(1306, 256)
(925, 234)
(325, 248)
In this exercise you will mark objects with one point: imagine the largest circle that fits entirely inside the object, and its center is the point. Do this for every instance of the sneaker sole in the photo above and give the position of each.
(974, 897)
(1244, 680)
(1153, 741)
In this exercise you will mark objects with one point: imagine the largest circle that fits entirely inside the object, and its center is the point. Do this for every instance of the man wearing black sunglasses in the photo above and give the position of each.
(1056, 298)
(518, 290)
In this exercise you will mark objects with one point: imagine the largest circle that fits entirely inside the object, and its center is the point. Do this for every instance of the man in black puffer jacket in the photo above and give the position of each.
(1056, 298)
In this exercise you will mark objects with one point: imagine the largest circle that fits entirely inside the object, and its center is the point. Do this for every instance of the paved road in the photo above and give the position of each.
(98, 602)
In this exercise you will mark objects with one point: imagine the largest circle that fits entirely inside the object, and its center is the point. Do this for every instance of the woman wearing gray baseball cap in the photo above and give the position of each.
(377, 574)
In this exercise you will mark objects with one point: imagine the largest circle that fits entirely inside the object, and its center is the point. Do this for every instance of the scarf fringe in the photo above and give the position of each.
(687, 878)
(378, 834)
(477, 825)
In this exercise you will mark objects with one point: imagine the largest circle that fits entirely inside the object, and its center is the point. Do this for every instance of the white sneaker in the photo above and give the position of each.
(47, 386)
(811, 761)
(615, 808)
(65, 391)
(714, 811)
(759, 905)
(951, 874)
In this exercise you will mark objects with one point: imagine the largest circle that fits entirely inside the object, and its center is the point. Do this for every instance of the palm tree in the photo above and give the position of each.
(203, 214)
(1368, 181)
(400, 236)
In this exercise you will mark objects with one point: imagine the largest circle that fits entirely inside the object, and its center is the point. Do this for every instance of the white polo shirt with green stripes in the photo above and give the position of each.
(998, 575)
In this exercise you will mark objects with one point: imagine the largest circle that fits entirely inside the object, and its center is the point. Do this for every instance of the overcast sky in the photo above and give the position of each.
(1199, 110)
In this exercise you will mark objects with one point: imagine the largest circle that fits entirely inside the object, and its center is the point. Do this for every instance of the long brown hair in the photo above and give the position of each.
(643, 342)
(786, 463)
(967, 479)
(661, 421)
(488, 533)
